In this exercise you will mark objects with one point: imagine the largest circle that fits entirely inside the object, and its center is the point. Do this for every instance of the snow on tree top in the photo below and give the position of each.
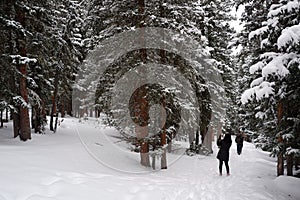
(265, 89)
(289, 35)
(257, 81)
(257, 66)
(259, 31)
(277, 9)
(17, 59)
(277, 65)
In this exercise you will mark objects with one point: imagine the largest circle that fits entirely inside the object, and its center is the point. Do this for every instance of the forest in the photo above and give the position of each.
(46, 47)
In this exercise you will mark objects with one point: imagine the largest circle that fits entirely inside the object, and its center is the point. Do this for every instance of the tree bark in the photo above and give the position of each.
(56, 122)
(297, 163)
(36, 119)
(1, 120)
(16, 124)
(25, 132)
(91, 110)
(163, 137)
(70, 106)
(142, 132)
(62, 107)
(33, 116)
(280, 160)
(164, 154)
(197, 140)
(54, 100)
(6, 114)
(289, 165)
(280, 164)
(14, 114)
(279, 111)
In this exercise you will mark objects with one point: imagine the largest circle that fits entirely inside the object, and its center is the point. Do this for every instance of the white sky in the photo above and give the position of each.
(236, 24)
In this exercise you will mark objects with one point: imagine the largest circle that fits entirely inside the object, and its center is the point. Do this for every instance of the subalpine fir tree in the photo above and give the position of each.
(68, 51)
(216, 28)
(254, 14)
(40, 38)
(274, 83)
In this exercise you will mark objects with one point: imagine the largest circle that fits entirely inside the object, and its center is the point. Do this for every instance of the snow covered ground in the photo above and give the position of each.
(58, 166)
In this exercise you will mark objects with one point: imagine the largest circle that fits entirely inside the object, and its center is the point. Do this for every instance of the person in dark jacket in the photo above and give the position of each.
(223, 154)
(239, 139)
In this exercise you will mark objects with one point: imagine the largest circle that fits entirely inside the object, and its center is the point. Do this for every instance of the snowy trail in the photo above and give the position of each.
(57, 166)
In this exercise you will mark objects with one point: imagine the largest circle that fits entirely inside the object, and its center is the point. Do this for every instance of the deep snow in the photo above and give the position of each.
(59, 166)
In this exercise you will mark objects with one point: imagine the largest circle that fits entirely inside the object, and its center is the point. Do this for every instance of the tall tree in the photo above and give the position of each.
(204, 21)
(44, 36)
(274, 66)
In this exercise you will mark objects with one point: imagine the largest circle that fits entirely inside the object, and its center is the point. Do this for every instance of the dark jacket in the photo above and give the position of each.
(239, 139)
(224, 145)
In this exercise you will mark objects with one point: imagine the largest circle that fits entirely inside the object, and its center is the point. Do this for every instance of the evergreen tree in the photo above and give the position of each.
(18, 28)
(41, 51)
(204, 21)
(219, 34)
(274, 66)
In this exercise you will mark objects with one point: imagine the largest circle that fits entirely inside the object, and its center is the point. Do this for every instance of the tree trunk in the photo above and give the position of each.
(14, 114)
(1, 120)
(91, 112)
(62, 107)
(54, 100)
(280, 164)
(36, 119)
(145, 160)
(297, 163)
(163, 137)
(25, 132)
(56, 122)
(197, 140)
(289, 165)
(6, 114)
(140, 108)
(11, 115)
(164, 154)
(33, 116)
(43, 115)
(142, 132)
(280, 160)
(279, 111)
(70, 107)
(16, 124)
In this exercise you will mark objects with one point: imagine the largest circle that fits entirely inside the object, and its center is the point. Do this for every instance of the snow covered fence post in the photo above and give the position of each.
(175, 77)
